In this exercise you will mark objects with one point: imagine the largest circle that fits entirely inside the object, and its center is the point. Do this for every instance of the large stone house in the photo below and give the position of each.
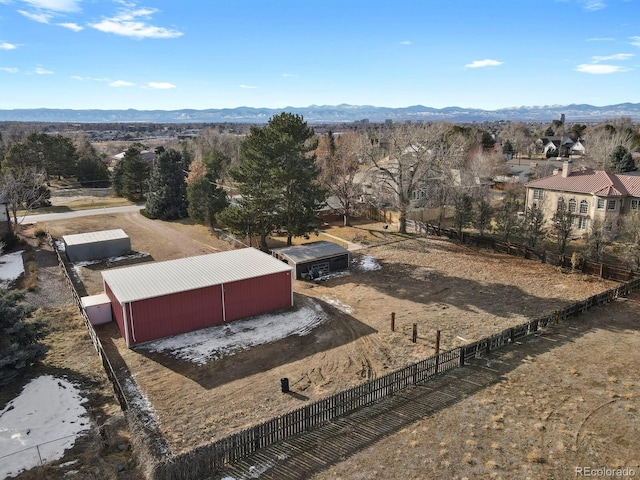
(591, 195)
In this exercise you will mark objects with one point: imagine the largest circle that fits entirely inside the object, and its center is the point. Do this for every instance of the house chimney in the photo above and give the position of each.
(567, 167)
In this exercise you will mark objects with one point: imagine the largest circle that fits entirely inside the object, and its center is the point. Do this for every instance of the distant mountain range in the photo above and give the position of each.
(316, 114)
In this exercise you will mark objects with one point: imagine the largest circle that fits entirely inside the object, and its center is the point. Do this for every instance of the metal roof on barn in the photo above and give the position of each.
(93, 237)
(311, 251)
(156, 279)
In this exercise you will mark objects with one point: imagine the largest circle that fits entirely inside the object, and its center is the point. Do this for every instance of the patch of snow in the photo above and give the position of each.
(48, 414)
(343, 307)
(111, 259)
(224, 340)
(366, 263)
(11, 267)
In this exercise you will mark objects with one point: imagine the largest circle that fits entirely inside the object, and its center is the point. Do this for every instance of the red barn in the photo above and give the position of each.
(160, 299)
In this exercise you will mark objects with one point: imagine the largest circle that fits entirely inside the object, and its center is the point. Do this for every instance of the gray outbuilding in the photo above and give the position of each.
(84, 247)
(315, 259)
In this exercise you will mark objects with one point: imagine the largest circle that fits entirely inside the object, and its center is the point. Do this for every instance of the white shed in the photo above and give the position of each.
(83, 247)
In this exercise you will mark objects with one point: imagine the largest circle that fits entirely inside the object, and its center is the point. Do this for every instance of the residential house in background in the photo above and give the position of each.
(591, 195)
(561, 145)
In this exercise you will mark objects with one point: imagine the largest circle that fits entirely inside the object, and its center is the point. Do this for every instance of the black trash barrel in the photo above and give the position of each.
(284, 385)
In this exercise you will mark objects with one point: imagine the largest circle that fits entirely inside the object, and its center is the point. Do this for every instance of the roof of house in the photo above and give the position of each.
(93, 237)
(595, 182)
(311, 251)
(156, 279)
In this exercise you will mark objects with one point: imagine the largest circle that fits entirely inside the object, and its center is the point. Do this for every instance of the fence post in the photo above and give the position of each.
(512, 336)
(556, 317)
(437, 341)
(393, 321)
(415, 333)
(601, 269)
(462, 352)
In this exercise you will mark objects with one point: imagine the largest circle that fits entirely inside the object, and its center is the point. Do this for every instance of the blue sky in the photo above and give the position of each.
(166, 54)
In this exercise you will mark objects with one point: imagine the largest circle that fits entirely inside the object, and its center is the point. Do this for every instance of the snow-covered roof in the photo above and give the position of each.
(156, 279)
(92, 237)
(311, 251)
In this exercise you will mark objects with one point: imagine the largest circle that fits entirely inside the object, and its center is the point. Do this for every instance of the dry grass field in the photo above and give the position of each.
(439, 285)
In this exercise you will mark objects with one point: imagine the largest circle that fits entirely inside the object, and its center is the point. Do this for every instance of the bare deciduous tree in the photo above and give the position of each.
(340, 162)
(25, 190)
(602, 140)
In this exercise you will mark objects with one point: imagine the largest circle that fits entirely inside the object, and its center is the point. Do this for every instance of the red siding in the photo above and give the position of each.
(116, 309)
(254, 296)
(182, 312)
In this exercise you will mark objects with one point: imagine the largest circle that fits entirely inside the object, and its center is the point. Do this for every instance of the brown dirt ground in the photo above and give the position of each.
(464, 292)
(569, 398)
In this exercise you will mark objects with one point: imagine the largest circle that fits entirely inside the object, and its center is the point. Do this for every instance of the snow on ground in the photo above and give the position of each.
(337, 303)
(11, 267)
(224, 340)
(48, 413)
(366, 263)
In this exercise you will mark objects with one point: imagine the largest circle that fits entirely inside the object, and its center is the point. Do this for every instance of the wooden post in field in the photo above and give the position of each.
(415, 333)
(601, 269)
(393, 321)
(556, 317)
(513, 336)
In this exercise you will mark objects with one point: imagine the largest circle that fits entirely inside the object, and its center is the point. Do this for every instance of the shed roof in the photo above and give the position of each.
(92, 237)
(311, 251)
(156, 279)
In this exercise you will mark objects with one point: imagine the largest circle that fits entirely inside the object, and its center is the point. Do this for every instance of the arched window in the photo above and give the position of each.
(572, 205)
(584, 206)
(561, 204)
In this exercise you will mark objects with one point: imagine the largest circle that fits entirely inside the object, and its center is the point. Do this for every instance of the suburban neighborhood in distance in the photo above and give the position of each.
(303, 242)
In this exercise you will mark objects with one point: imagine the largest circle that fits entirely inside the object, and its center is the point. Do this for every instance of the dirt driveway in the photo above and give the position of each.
(465, 293)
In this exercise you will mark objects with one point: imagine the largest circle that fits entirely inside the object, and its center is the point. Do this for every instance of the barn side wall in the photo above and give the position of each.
(255, 296)
(181, 312)
(116, 309)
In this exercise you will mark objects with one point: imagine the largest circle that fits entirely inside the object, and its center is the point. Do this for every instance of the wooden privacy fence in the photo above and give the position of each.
(603, 270)
(204, 460)
(108, 368)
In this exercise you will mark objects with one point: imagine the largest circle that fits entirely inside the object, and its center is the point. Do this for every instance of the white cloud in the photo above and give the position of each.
(9, 69)
(248, 86)
(161, 85)
(600, 69)
(635, 41)
(89, 79)
(406, 42)
(593, 5)
(290, 75)
(55, 5)
(617, 56)
(483, 63)
(36, 17)
(131, 23)
(71, 26)
(43, 71)
(121, 83)
(7, 46)
(600, 39)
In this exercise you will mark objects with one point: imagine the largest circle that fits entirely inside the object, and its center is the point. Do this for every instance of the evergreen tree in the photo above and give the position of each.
(205, 196)
(482, 219)
(277, 180)
(533, 223)
(92, 173)
(622, 160)
(20, 334)
(506, 216)
(167, 195)
(562, 224)
(463, 212)
(133, 175)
